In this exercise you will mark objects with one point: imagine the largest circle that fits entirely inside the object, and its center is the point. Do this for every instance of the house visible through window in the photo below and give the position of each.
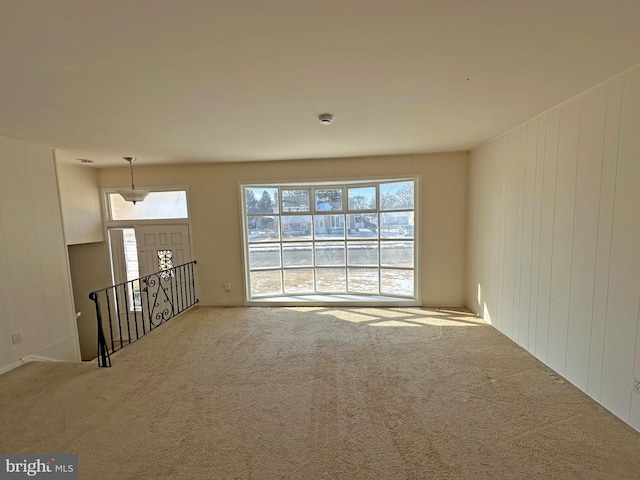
(355, 238)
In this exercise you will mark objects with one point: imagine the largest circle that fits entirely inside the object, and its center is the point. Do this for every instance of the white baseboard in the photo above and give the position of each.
(40, 358)
(11, 366)
(27, 359)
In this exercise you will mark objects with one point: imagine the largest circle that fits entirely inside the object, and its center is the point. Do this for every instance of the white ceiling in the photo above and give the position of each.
(236, 80)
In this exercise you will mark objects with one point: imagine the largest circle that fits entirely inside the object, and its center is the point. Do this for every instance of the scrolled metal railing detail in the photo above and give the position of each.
(155, 282)
(134, 308)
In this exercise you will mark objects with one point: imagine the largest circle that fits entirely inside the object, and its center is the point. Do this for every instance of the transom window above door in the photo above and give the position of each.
(352, 239)
(158, 205)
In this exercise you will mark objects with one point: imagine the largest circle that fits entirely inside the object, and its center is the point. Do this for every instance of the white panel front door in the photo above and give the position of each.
(163, 247)
(159, 244)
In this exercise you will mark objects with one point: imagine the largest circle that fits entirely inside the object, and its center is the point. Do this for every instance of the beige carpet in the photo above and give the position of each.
(316, 393)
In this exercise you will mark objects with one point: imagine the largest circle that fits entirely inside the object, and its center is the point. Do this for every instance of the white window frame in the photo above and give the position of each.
(106, 207)
(348, 299)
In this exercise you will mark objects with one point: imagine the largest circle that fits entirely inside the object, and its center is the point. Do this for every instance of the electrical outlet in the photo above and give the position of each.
(227, 286)
(16, 338)
(636, 385)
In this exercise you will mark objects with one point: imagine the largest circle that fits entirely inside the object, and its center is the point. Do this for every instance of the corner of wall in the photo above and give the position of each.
(466, 229)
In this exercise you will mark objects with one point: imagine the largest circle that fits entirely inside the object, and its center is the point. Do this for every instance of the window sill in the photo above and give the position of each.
(334, 300)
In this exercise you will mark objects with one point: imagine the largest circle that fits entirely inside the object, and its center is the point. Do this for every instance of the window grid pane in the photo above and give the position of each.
(362, 198)
(362, 254)
(297, 255)
(295, 247)
(263, 229)
(362, 225)
(299, 281)
(396, 282)
(261, 200)
(330, 254)
(328, 199)
(296, 227)
(266, 283)
(328, 227)
(363, 280)
(296, 200)
(397, 196)
(264, 256)
(331, 280)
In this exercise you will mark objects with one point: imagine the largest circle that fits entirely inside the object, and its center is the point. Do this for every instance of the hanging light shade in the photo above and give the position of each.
(132, 195)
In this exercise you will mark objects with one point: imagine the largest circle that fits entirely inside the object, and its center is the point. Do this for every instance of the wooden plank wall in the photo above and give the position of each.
(554, 239)
(35, 288)
(80, 199)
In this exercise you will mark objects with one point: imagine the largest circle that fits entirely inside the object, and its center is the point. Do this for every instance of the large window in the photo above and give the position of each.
(351, 238)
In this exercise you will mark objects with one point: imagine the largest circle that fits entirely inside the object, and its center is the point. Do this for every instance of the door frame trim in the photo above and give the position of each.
(108, 224)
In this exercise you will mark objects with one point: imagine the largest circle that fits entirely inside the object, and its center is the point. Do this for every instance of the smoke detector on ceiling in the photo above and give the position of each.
(325, 119)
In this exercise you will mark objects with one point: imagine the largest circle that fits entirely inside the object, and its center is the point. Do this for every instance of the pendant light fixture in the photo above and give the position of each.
(132, 195)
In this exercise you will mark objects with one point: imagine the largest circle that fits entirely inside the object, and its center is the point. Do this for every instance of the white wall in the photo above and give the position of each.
(554, 239)
(215, 215)
(80, 200)
(35, 290)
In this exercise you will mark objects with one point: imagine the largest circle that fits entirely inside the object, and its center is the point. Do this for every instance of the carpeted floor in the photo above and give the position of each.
(316, 393)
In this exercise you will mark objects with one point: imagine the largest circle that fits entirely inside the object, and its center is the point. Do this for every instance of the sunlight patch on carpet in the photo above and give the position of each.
(349, 316)
(393, 323)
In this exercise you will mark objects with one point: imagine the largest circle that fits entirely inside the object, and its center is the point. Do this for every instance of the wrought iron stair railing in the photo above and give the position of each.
(130, 310)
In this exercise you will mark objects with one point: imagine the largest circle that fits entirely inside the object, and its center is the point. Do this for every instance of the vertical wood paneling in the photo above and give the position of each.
(11, 227)
(48, 235)
(624, 279)
(474, 217)
(491, 234)
(484, 237)
(605, 230)
(35, 290)
(546, 232)
(585, 234)
(80, 201)
(562, 206)
(529, 168)
(536, 233)
(495, 194)
(472, 256)
(511, 211)
(7, 314)
(68, 201)
(16, 229)
(35, 212)
(64, 280)
(53, 231)
(522, 155)
(634, 413)
(562, 234)
(499, 322)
